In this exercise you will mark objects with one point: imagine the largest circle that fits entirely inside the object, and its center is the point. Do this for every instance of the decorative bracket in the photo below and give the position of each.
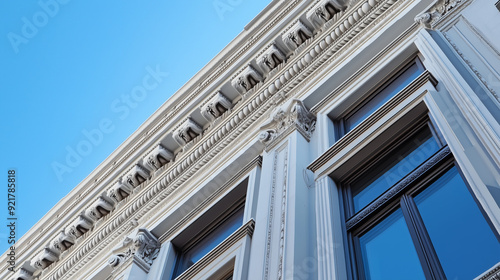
(79, 227)
(296, 35)
(187, 131)
(100, 208)
(246, 80)
(135, 176)
(44, 259)
(26, 272)
(61, 243)
(216, 106)
(119, 192)
(285, 119)
(143, 248)
(270, 58)
(324, 11)
(158, 157)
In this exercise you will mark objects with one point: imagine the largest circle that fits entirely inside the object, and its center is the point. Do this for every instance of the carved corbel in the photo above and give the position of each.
(284, 119)
(297, 34)
(135, 176)
(80, 226)
(26, 272)
(246, 80)
(158, 157)
(216, 106)
(187, 131)
(270, 59)
(61, 243)
(44, 259)
(143, 248)
(119, 191)
(100, 208)
(429, 18)
(324, 11)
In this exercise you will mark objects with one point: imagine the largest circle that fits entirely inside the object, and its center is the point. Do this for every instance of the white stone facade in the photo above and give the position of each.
(260, 130)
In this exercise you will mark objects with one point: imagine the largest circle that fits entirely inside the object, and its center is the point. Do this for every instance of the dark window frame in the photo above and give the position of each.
(340, 122)
(356, 224)
(234, 209)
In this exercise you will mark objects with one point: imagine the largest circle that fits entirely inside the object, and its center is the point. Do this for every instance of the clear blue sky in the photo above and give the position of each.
(67, 65)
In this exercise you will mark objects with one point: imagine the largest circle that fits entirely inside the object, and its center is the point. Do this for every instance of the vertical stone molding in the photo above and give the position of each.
(143, 249)
(216, 106)
(329, 246)
(284, 119)
(158, 157)
(186, 132)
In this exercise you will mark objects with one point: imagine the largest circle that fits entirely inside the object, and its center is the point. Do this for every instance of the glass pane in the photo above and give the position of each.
(388, 251)
(205, 245)
(383, 96)
(393, 168)
(464, 242)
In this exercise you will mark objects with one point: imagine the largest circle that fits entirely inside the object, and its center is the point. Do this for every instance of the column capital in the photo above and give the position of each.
(285, 119)
(143, 249)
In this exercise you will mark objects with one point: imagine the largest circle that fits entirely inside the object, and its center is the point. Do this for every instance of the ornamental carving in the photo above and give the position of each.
(61, 243)
(135, 176)
(296, 35)
(79, 227)
(26, 272)
(216, 106)
(431, 17)
(119, 192)
(187, 131)
(293, 115)
(324, 11)
(44, 259)
(144, 248)
(246, 80)
(270, 59)
(100, 208)
(158, 157)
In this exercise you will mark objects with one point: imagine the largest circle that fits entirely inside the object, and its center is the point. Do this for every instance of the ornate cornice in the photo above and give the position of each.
(167, 180)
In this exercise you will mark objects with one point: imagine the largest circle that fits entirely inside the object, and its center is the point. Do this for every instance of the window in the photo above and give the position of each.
(208, 239)
(380, 95)
(410, 215)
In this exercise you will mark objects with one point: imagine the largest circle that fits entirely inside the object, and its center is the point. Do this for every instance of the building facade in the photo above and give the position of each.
(332, 139)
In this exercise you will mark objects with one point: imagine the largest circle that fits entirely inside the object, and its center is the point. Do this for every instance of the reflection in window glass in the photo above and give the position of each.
(388, 251)
(191, 255)
(393, 168)
(383, 96)
(464, 242)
